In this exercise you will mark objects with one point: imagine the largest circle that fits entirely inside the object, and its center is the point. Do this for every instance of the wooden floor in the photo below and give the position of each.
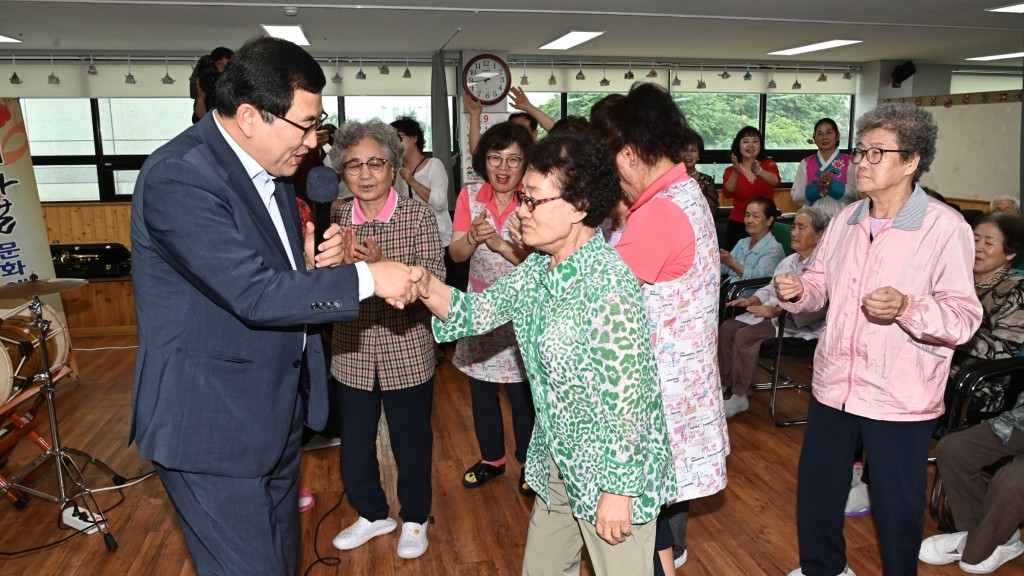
(748, 529)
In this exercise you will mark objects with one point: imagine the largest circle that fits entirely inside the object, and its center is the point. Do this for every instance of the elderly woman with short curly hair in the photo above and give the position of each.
(895, 270)
(386, 357)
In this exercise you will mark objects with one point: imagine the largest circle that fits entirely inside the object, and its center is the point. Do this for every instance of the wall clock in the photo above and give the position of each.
(487, 78)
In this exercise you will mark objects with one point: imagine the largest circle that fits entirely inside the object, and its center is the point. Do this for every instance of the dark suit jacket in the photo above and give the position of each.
(221, 312)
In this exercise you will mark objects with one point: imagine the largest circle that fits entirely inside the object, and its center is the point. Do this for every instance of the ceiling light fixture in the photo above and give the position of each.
(293, 34)
(14, 67)
(725, 73)
(700, 82)
(384, 70)
(1013, 8)
(8, 39)
(847, 75)
(629, 73)
(676, 81)
(167, 74)
(796, 82)
(604, 76)
(823, 77)
(407, 73)
(814, 47)
(360, 75)
(336, 79)
(771, 83)
(52, 78)
(580, 75)
(525, 80)
(91, 70)
(129, 78)
(997, 57)
(573, 38)
(552, 81)
(653, 73)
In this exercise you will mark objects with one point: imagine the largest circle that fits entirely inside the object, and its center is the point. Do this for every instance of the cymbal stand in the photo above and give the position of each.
(70, 479)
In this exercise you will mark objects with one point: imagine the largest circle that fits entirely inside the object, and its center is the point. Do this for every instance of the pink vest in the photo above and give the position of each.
(838, 168)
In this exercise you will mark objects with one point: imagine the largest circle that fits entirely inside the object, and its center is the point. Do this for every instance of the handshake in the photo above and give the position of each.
(400, 285)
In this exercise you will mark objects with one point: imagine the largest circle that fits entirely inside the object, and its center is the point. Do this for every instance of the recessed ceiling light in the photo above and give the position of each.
(574, 38)
(6, 39)
(814, 47)
(1015, 8)
(998, 57)
(292, 34)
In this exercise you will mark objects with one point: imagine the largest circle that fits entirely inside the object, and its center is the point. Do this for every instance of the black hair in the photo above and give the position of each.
(1010, 226)
(221, 52)
(410, 127)
(770, 209)
(584, 169)
(695, 140)
(647, 118)
(571, 123)
(500, 137)
(265, 73)
(743, 133)
(828, 121)
(531, 119)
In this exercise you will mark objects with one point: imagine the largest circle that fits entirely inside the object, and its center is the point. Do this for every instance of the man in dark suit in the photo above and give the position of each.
(224, 288)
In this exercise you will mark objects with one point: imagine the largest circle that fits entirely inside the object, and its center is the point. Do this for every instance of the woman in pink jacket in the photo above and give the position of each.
(895, 270)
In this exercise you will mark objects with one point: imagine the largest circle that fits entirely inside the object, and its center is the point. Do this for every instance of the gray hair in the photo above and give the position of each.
(914, 127)
(350, 133)
(819, 218)
(992, 204)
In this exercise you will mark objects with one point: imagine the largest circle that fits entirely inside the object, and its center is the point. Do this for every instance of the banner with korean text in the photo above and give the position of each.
(24, 248)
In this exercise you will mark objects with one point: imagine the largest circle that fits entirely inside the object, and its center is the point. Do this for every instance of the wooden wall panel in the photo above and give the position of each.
(88, 222)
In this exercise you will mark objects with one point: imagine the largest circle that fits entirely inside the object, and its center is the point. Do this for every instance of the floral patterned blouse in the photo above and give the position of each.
(583, 333)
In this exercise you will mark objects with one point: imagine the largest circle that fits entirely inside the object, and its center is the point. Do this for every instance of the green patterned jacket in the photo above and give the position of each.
(584, 335)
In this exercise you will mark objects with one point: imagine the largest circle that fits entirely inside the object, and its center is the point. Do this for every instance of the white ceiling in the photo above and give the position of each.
(731, 31)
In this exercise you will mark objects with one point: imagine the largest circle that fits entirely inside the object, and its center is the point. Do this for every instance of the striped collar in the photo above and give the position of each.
(910, 216)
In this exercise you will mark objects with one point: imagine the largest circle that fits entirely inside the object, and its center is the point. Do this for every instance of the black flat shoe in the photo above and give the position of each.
(480, 473)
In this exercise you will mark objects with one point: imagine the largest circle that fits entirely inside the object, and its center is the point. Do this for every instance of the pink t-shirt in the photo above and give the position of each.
(658, 242)
(464, 220)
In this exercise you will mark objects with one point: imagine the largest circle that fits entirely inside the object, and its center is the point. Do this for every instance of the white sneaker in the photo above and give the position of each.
(858, 502)
(1003, 554)
(678, 562)
(941, 549)
(735, 405)
(413, 542)
(361, 532)
(846, 572)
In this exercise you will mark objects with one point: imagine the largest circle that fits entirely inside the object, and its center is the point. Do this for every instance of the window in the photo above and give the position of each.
(388, 108)
(141, 125)
(790, 118)
(58, 126)
(717, 117)
(580, 103)
(67, 183)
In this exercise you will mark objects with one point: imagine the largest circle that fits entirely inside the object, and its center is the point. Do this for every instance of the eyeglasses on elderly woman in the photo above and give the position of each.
(355, 167)
(874, 155)
(531, 203)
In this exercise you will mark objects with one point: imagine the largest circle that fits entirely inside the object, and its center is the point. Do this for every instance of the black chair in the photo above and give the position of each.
(959, 416)
(773, 349)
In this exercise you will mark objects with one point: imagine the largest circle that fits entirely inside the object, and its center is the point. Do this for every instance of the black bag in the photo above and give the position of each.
(107, 260)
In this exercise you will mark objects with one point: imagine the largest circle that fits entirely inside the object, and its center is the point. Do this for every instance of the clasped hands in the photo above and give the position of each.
(885, 303)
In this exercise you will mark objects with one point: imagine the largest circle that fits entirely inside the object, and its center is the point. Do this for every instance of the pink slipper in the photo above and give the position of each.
(306, 500)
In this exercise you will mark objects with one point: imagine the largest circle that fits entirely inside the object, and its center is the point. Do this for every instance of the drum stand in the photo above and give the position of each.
(70, 478)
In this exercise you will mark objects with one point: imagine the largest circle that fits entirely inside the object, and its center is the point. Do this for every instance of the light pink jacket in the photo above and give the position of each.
(891, 370)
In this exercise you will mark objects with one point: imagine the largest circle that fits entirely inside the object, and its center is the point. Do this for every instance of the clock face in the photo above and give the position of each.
(487, 78)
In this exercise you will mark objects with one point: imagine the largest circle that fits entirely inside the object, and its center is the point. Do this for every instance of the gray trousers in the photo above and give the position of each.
(989, 510)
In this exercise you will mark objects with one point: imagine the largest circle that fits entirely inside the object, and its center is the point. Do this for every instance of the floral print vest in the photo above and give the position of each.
(493, 357)
(684, 324)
